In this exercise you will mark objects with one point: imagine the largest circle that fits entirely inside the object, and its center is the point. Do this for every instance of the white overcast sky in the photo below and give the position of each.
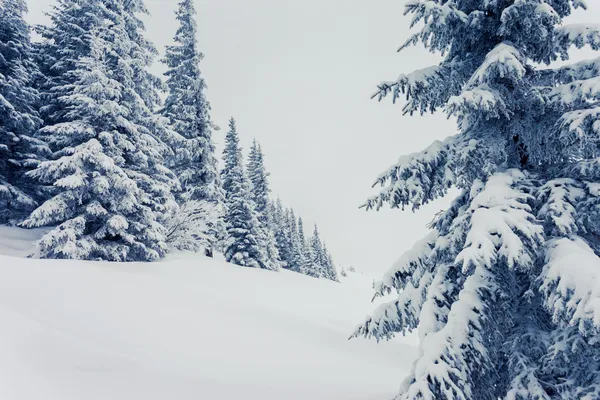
(298, 76)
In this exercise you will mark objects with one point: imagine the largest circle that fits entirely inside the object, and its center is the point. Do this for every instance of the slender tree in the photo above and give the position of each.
(188, 112)
(260, 196)
(283, 236)
(243, 228)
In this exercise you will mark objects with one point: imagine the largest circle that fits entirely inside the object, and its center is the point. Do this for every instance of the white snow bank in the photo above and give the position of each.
(186, 328)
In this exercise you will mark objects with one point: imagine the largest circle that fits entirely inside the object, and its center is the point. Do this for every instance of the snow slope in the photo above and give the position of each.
(185, 328)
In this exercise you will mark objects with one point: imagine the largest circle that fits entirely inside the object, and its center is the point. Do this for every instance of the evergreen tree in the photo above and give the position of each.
(330, 269)
(298, 257)
(19, 152)
(188, 110)
(260, 196)
(304, 266)
(317, 258)
(243, 228)
(504, 289)
(283, 235)
(107, 165)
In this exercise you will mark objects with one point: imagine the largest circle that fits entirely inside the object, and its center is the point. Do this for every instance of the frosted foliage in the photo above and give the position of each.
(111, 188)
(245, 240)
(190, 228)
(19, 119)
(188, 111)
(572, 284)
(504, 291)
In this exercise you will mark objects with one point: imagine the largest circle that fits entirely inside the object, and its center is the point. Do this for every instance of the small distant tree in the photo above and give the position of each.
(260, 190)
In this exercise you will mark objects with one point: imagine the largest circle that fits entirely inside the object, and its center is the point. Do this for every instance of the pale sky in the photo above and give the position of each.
(298, 75)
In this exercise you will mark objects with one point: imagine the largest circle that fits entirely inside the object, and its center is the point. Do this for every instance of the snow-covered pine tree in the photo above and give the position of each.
(317, 258)
(305, 267)
(260, 190)
(188, 112)
(505, 288)
(298, 256)
(330, 269)
(283, 236)
(19, 119)
(107, 166)
(243, 228)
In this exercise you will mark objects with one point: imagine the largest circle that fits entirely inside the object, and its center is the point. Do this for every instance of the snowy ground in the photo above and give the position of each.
(185, 328)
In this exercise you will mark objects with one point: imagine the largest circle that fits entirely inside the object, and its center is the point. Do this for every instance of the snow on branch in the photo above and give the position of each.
(401, 315)
(409, 268)
(579, 35)
(417, 178)
(571, 285)
(481, 99)
(576, 93)
(580, 127)
(502, 226)
(581, 70)
(559, 198)
(503, 62)
(440, 19)
(425, 89)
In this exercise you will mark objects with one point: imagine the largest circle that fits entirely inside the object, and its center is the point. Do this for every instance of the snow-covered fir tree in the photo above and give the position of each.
(504, 290)
(107, 167)
(244, 244)
(298, 255)
(188, 111)
(260, 190)
(283, 235)
(330, 269)
(321, 263)
(317, 257)
(303, 248)
(19, 119)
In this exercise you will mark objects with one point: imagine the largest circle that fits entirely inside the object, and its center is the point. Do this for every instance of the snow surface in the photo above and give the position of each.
(186, 328)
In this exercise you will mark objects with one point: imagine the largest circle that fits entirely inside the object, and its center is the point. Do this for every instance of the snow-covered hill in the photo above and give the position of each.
(186, 328)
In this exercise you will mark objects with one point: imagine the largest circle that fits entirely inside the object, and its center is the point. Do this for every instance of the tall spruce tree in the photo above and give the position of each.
(504, 290)
(19, 152)
(107, 165)
(260, 190)
(188, 112)
(244, 245)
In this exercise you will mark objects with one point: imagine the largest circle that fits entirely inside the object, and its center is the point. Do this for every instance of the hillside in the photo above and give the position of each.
(186, 328)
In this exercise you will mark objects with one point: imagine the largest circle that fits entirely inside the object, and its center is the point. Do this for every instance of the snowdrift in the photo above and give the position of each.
(186, 328)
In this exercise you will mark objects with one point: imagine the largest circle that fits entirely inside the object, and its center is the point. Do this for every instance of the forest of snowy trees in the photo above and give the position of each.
(121, 164)
(505, 290)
